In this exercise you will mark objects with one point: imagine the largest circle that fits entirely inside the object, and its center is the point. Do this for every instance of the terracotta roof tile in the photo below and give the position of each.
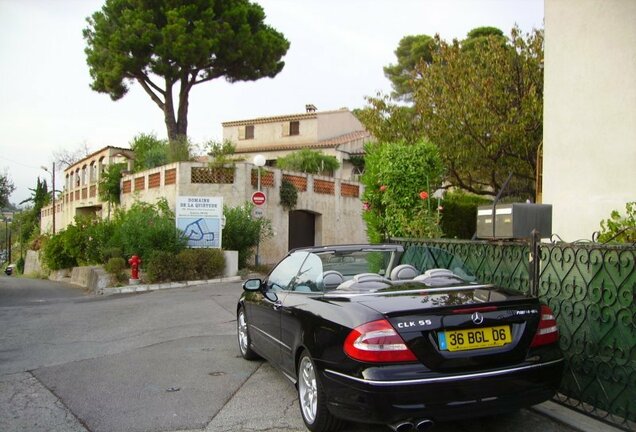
(281, 118)
(328, 143)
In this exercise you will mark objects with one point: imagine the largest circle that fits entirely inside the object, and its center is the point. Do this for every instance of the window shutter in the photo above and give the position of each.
(241, 132)
(286, 129)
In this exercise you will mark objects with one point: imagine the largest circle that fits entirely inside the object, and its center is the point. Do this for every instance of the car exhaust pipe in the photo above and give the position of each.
(403, 427)
(424, 425)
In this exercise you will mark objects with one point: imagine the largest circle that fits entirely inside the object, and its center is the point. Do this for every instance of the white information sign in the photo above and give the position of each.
(200, 220)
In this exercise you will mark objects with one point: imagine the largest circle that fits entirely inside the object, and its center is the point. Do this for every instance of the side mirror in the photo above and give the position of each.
(252, 285)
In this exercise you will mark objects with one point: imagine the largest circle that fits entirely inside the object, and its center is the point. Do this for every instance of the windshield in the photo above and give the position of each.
(347, 269)
(350, 263)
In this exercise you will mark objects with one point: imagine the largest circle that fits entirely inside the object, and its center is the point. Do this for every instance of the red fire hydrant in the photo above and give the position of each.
(134, 262)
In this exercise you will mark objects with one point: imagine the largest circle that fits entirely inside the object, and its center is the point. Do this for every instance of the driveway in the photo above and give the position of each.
(159, 361)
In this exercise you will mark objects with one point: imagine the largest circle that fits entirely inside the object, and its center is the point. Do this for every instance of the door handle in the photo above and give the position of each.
(277, 305)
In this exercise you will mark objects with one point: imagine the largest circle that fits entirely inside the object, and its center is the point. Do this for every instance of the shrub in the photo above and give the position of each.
(459, 214)
(288, 195)
(242, 233)
(111, 252)
(399, 178)
(161, 266)
(20, 265)
(619, 229)
(308, 161)
(145, 228)
(55, 255)
(198, 264)
(139, 231)
(189, 264)
(82, 241)
(209, 263)
(116, 267)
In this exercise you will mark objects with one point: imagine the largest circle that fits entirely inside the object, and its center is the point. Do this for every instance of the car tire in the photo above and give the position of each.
(243, 336)
(311, 398)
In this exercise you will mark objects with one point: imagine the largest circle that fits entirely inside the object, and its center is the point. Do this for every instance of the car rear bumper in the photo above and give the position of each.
(441, 398)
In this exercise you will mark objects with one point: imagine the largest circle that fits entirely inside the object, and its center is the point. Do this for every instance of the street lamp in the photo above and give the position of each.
(52, 191)
(259, 161)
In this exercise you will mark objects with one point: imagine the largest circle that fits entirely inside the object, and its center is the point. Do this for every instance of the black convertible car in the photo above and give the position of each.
(374, 334)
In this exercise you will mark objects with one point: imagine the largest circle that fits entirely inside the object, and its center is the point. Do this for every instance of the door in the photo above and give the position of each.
(302, 229)
(264, 313)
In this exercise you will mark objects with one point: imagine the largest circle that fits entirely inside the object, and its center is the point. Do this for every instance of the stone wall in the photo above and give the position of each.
(32, 262)
(334, 202)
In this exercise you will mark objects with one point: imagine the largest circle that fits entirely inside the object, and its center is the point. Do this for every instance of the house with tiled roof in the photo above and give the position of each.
(336, 133)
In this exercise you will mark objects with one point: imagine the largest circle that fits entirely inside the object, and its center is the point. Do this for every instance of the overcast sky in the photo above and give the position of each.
(338, 49)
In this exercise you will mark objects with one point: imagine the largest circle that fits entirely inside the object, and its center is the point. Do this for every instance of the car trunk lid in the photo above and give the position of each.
(459, 327)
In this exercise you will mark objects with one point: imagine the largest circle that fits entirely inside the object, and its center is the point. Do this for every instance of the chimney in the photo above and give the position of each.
(310, 108)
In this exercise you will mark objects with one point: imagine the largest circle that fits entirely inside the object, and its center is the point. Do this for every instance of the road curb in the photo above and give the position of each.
(572, 418)
(129, 289)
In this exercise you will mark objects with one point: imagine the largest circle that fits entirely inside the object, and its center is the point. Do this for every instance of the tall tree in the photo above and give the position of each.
(411, 50)
(166, 43)
(65, 158)
(30, 218)
(39, 195)
(483, 35)
(390, 121)
(6, 189)
(109, 184)
(483, 107)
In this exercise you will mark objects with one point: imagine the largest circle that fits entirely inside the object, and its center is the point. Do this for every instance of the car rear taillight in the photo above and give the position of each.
(547, 332)
(377, 342)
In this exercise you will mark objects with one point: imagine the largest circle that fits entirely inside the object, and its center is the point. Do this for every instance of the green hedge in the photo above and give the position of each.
(189, 264)
(459, 214)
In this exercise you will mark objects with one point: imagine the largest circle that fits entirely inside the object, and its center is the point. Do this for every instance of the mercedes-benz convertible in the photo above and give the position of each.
(374, 334)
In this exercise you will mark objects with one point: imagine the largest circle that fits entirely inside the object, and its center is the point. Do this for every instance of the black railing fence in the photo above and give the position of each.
(591, 288)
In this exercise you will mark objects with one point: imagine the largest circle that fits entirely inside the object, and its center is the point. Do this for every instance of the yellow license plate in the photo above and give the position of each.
(476, 338)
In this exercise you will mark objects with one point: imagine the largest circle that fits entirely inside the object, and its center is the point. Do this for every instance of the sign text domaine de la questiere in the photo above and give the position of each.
(200, 219)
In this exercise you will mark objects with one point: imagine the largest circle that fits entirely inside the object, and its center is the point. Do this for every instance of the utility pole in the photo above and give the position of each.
(52, 191)
(53, 194)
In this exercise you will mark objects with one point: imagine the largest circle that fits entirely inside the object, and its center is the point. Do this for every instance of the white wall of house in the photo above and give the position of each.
(589, 166)
(313, 127)
(334, 123)
(270, 132)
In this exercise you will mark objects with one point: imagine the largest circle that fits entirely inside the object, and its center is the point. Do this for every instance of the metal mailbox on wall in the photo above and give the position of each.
(514, 221)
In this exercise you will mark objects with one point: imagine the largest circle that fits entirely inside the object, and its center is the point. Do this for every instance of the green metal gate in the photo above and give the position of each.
(592, 289)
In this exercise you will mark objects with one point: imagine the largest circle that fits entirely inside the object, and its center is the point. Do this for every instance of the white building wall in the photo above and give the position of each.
(589, 166)
(334, 123)
(272, 133)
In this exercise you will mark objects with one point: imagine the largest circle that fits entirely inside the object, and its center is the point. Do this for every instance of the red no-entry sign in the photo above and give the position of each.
(259, 198)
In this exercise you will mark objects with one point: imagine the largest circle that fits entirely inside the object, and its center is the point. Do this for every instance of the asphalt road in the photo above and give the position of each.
(159, 361)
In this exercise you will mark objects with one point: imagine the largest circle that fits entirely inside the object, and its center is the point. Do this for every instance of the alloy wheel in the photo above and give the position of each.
(307, 389)
(242, 332)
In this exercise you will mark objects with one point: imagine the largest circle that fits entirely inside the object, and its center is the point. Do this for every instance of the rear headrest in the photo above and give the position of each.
(436, 273)
(331, 279)
(404, 272)
(368, 277)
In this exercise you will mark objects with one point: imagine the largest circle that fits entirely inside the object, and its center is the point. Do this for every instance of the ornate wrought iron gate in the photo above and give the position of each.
(592, 289)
